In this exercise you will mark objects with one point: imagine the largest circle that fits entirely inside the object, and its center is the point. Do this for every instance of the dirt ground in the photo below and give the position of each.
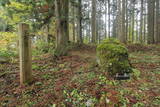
(76, 81)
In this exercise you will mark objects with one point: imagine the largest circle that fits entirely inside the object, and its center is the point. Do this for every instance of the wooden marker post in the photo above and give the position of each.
(25, 54)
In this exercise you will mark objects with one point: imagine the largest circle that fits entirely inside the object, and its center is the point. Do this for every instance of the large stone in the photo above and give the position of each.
(113, 57)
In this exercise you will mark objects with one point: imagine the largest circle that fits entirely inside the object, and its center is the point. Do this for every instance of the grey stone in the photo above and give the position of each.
(4, 60)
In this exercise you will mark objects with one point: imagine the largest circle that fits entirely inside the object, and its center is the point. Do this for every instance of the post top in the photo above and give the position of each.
(23, 26)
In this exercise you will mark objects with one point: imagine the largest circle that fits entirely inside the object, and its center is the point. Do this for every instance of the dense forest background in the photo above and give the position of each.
(78, 50)
(90, 21)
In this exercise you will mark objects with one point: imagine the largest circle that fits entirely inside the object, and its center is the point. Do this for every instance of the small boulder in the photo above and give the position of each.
(4, 60)
(113, 57)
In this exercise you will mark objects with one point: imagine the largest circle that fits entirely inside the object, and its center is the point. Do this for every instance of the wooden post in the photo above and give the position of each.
(25, 54)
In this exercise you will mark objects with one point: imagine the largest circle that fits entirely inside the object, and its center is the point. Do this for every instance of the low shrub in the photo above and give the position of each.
(8, 47)
(41, 47)
(7, 54)
(8, 40)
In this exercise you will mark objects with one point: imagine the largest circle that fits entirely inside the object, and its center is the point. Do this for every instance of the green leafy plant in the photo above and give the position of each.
(136, 73)
(123, 101)
(83, 77)
(7, 54)
(156, 101)
(8, 44)
(139, 104)
(42, 47)
(105, 81)
(35, 67)
(78, 99)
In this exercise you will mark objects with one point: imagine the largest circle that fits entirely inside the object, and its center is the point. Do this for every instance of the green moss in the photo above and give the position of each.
(113, 57)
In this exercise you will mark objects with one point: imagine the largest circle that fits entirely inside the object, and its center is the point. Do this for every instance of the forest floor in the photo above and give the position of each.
(75, 81)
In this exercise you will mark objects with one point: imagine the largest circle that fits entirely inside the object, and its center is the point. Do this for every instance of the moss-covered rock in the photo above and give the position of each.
(113, 57)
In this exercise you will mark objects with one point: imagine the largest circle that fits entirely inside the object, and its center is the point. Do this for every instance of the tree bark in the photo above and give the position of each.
(141, 23)
(62, 36)
(121, 21)
(73, 23)
(94, 33)
(105, 19)
(123, 38)
(157, 26)
(151, 7)
(145, 21)
(126, 31)
(79, 38)
(133, 21)
(109, 18)
(137, 24)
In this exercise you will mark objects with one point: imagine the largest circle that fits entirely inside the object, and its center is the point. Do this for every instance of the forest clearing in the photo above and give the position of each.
(79, 53)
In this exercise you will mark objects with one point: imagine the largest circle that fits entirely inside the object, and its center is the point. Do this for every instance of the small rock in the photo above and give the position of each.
(89, 103)
(98, 60)
(107, 100)
(4, 60)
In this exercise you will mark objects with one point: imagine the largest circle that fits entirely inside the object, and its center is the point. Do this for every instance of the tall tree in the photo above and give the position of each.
(151, 8)
(62, 37)
(94, 33)
(73, 23)
(123, 35)
(133, 19)
(126, 30)
(157, 24)
(145, 21)
(141, 22)
(121, 21)
(109, 18)
(79, 38)
(105, 18)
(137, 29)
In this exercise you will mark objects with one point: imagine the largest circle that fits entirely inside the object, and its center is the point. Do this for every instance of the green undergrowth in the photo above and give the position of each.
(43, 47)
(7, 53)
(73, 81)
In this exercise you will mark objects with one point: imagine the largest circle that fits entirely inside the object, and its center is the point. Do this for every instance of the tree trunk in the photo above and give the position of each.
(151, 7)
(133, 20)
(157, 26)
(109, 18)
(105, 19)
(62, 36)
(114, 31)
(141, 22)
(145, 21)
(130, 26)
(123, 38)
(79, 38)
(137, 36)
(89, 38)
(121, 21)
(94, 33)
(73, 24)
(126, 31)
